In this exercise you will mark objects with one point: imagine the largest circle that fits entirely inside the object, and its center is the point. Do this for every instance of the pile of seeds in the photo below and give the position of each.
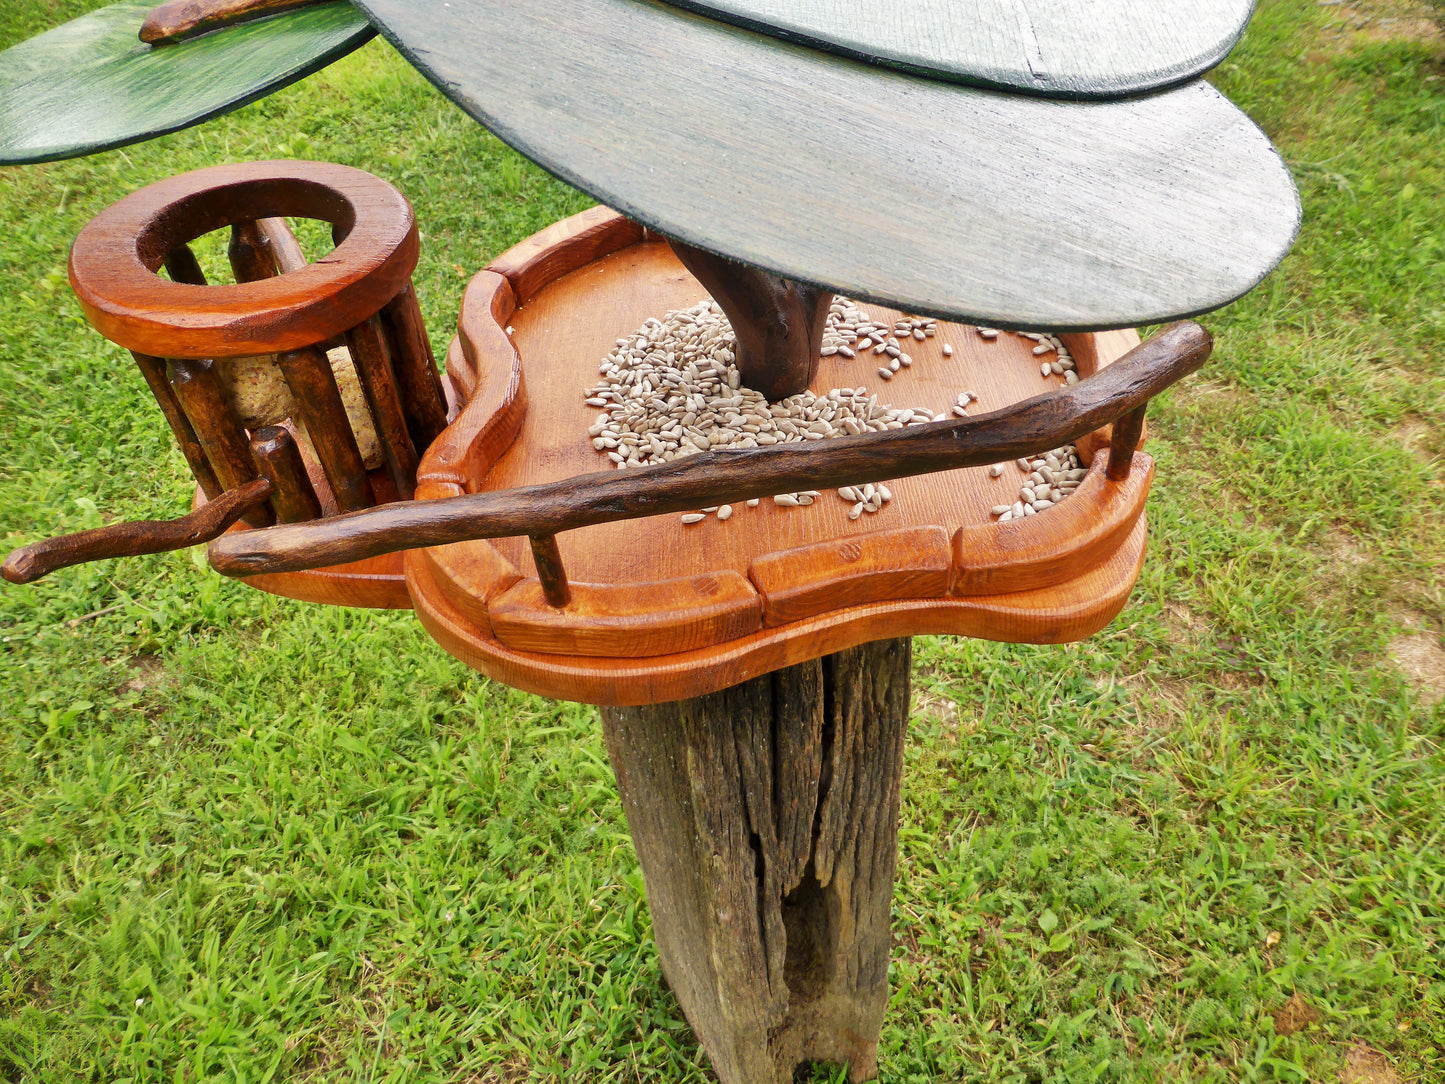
(1051, 477)
(672, 388)
(1063, 364)
(851, 331)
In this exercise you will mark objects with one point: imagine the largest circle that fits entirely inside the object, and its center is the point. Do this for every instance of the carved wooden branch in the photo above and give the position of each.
(180, 19)
(778, 323)
(1044, 421)
(29, 563)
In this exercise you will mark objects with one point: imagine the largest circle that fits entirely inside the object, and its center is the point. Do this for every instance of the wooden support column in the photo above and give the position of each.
(422, 397)
(371, 354)
(765, 817)
(778, 323)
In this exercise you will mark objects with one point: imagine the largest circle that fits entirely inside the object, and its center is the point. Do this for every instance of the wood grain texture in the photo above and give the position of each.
(377, 583)
(996, 208)
(473, 575)
(177, 20)
(562, 248)
(29, 563)
(1053, 615)
(279, 460)
(249, 253)
(371, 354)
(908, 562)
(114, 259)
(627, 621)
(197, 388)
(154, 371)
(422, 398)
(1125, 434)
(285, 249)
(91, 85)
(1000, 558)
(729, 474)
(551, 572)
(765, 818)
(485, 367)
(1051, 48)
(181, 264)
(320, 410)
(778, 324)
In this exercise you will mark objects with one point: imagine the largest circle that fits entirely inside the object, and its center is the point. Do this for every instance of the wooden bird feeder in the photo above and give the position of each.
(754, 674)
(301, 389)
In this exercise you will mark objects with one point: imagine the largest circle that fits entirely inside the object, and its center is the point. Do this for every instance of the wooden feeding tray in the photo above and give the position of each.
(661, 610)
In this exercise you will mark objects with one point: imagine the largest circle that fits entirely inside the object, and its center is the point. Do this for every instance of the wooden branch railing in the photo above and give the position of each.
(1118, 394)
(538, 511)
(29, 563)
(178, 20)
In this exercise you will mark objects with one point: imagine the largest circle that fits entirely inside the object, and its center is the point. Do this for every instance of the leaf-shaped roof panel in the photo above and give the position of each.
(91, 84)
(1051, 48)
(940, 198)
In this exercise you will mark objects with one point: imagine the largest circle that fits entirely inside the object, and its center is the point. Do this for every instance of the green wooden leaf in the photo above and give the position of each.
(91, 84)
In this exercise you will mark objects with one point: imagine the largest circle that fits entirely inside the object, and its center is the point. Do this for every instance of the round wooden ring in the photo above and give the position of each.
(114, 260)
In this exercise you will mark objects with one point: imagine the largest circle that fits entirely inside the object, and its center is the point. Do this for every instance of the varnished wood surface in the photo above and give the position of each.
(279, 460)
(29, 563)
(1058, 614)
(907, 562)
(454, 587)
(176, 20)
(941, 198)
(114, 259)
(619, 621)
(523, 496)
(999, 558)
(1051, 48)
(377, 583)
(495, 391)
(91, 84)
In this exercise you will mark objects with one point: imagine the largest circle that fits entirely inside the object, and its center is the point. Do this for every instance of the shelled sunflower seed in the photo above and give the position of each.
(849, 331)
(1044, 344)
(1052, 477)
(672, 388)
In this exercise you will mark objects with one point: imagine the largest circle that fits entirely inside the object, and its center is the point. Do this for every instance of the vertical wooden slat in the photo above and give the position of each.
(371, 356)
(422, 398)
(285, 249)
(181, 265)
(250, 253)
(1123, 441)
(199, 392)
(154, 371)
(320, 410)
(550, 571)
(279, 460)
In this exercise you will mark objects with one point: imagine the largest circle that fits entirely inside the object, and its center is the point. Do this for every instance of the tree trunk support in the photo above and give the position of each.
(778, 323)
(765, 817)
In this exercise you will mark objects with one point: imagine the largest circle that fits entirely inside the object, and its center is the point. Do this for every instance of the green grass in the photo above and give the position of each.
(248, 839)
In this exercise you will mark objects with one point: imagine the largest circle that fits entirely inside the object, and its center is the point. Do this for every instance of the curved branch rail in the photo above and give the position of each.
(1044, 421)
(29, 563)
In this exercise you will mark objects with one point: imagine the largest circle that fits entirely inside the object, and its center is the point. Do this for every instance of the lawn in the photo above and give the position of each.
(248, 839)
